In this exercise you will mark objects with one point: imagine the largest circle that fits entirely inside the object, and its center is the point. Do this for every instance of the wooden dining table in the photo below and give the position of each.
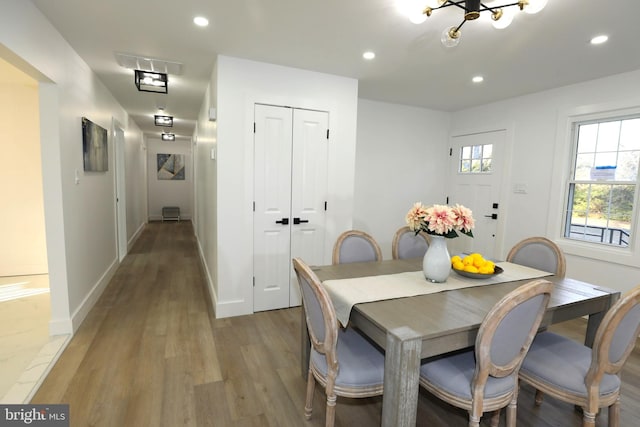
(418, 327)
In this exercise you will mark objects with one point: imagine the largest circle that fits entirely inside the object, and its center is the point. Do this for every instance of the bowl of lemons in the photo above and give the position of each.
(474, 266)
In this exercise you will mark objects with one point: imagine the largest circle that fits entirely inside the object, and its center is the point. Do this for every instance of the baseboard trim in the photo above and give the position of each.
(207, 274)
(90, 300)
(135, 236)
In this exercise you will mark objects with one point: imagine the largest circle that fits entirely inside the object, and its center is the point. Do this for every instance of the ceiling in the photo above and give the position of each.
(537, 52)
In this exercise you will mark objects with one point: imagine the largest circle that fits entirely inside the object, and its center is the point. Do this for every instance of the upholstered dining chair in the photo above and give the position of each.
(341, 360)
(355, 246)
(485, 379)
(586, 377)
(540, 253)
(406, 244)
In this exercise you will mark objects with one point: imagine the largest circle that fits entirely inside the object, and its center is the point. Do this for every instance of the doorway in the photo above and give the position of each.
(475, 177)
(25, 307)
(290, 194)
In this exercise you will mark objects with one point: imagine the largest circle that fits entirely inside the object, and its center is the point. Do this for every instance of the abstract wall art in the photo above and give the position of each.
(171, 167)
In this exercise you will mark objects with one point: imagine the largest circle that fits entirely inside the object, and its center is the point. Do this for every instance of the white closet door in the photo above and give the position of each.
(308, 190)
(272, 212)
(290, 184)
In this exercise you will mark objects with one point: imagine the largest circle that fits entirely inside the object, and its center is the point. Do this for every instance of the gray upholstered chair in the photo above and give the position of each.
(406, 244)
(583, 376)
(540, 253)
(356, 246)
(341, 360)
(485, 379)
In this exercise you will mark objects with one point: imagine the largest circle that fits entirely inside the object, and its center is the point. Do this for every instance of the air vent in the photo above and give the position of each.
(136, 62)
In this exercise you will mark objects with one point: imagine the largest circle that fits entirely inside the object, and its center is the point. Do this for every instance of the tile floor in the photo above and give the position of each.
(26, 349)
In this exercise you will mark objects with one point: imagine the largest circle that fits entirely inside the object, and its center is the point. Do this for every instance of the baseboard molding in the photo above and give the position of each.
(212, 295)
(135, 236)
(90, 300)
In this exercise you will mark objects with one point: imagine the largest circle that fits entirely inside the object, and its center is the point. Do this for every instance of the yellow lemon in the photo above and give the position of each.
(455, 258)
(458, 265)
(478, 262)
(468, 260)
(470, 269)
(485, 270)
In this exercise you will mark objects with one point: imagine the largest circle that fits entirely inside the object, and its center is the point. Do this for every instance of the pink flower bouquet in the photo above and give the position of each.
(441, 220)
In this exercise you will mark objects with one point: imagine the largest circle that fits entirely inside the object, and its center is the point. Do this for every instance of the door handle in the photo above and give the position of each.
(492, 216)
(299, 221)
(283, 221)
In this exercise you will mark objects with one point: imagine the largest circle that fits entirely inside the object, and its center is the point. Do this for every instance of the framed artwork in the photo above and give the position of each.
(94, 147)
(171, 167)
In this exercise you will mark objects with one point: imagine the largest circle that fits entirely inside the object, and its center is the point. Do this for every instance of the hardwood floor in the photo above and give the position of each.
(151, 353)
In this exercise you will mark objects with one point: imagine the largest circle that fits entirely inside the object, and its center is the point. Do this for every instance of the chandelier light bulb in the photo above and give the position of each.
(505, 19)
(535, 6)
(418, 18)
(450, 37)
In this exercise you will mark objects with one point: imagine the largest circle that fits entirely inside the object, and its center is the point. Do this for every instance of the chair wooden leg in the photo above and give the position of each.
(311, 385)
(331, 410)
(539, 397)
(495, 418)
(614, 413)
(588, 419)
(474, 420)
(512, 412)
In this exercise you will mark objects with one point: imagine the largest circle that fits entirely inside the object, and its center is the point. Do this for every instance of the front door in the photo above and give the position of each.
(290, 185)
(476, 165)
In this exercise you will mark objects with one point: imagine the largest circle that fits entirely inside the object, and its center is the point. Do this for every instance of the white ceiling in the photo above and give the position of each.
(535, 53)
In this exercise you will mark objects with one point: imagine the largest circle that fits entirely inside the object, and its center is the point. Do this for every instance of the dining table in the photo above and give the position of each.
(412, 328)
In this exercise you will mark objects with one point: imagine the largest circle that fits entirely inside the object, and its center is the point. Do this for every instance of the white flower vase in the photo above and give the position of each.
(436, 264)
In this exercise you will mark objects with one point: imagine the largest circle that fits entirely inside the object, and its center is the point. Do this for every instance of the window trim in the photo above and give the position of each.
(564, 150)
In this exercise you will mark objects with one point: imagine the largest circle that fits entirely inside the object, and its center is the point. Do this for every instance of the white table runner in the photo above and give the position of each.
(345, 293)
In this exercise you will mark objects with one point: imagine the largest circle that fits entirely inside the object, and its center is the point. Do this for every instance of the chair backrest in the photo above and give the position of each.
(356, 246)
(507, 331)
(320, 314)
(540, 253)
(616, 337)
(406, 244)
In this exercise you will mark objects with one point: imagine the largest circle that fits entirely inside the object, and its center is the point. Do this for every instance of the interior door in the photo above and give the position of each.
(475, 173)
(121, 209)
(272, 207)
(290, 184)
(308, 191)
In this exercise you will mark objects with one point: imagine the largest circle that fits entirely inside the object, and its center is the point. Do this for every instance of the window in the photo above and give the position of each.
(476, 158)
(603, 181)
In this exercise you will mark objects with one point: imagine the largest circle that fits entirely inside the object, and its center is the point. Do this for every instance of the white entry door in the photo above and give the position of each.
(290, 184)
(475, 176)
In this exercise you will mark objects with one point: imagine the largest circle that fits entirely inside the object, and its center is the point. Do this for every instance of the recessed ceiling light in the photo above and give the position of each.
(201, 21)
(477, 79)
(368, 55)
(599, 39)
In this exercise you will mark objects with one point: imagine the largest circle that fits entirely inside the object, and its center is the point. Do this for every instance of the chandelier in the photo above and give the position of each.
(501, 14)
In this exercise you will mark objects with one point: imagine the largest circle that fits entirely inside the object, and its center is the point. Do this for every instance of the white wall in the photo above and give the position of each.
(536, 123)
(400, 154)
(23, 249)
(79, 218)
(169, 192)
(238, 85)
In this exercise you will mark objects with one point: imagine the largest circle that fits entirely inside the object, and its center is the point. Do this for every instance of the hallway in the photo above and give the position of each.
(150, 353)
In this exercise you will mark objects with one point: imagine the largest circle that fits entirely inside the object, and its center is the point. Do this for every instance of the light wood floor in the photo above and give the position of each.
(150, 353)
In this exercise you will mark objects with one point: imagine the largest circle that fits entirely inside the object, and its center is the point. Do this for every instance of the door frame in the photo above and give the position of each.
(505, 186)
(120, 198)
